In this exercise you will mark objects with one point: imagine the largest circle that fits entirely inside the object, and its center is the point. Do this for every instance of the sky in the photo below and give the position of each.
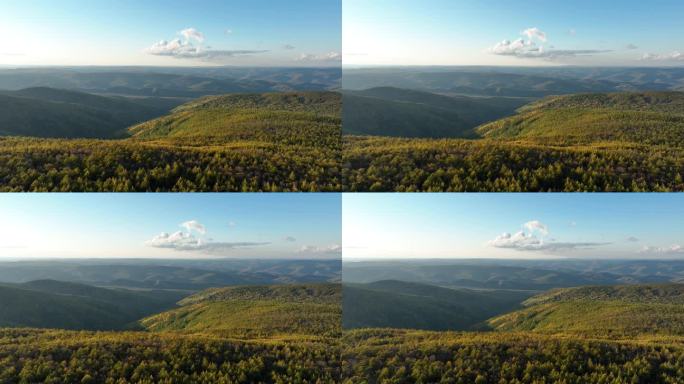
(176, 225)
(514, 226)
(171, 32)
(520, 33)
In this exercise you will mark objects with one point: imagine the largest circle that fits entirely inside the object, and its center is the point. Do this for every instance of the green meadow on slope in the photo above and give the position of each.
(265, 142)
(589, 142)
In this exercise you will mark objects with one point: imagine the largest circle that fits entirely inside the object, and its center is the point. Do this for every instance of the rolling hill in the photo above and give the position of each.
(55, 304)
(256, 312)
(58, 113)
(175, 82)
(398, 304)
(388, 111)
(590, 142)
(618, 311)
(655, 118)
(310, 119)
(254, 142)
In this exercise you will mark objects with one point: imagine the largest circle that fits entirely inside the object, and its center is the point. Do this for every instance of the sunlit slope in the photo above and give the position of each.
(48, 356)
(304, 118)
(398, 356)
(601, 311)
(655, 118)
(286, 310)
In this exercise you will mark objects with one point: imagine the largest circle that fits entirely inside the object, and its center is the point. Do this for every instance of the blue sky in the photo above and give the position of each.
(124, 32)
(513, 226)
(466, 32)
(175, 225)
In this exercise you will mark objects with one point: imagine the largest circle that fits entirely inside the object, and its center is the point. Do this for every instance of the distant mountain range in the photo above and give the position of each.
(516, 81)
(172, 82)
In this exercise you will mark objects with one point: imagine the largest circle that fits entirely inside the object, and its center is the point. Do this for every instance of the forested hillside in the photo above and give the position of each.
(394, 356)
(55, 304)
(622, 311)
(57, 113)
(287, 311)
(389, 111)
(398, 304)
(277, 142)
(275, 334)
(591, 142)
(47, 356)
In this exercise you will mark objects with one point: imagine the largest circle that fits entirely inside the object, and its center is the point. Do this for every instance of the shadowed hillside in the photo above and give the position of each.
(54, 304)
(397, 304)
(391, 111)
(49, 112)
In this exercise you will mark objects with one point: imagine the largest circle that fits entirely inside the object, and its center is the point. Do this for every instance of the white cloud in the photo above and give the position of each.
(194, 225)
(192, 34)
(674, 249)
(572, 32)
(187, 49)
(187, 241)
(530, 49)
(333, 249)
(533, 33)
(289, 239)
(632, 239)
(228, 31)
(232, 224)
(536, 225)
(288, 47)
(631, 46)
(672, 56)
(328, 57)
(531, 238)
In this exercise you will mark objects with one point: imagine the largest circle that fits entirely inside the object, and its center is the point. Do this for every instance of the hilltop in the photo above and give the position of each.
(654, 118)
(304, 310)
(303, 118)
(619, 311)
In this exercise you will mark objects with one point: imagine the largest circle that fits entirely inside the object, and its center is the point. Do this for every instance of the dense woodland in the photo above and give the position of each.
(394, 356)
(278, 142)
(454, 165)
(50, 356)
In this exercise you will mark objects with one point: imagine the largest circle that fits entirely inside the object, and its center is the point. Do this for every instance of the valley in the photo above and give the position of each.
(487, 129)
(153, 130)
(583, 321)
(60, 331)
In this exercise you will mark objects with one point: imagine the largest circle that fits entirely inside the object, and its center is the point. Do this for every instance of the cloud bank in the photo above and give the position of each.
(190, 47)
(532, 238)
(534, 47)
(188, 241)
(326, 58)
